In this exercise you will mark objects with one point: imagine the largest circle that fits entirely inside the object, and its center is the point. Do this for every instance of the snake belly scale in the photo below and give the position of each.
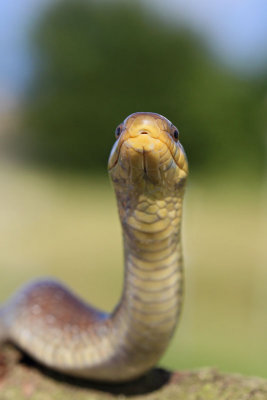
(148, 169)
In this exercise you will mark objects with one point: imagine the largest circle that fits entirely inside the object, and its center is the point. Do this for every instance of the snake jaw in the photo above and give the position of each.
(150, 161)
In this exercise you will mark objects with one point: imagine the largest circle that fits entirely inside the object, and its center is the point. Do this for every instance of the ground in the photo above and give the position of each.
(22, 379)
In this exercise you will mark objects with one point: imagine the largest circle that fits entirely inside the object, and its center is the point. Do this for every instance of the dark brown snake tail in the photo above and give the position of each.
(148, 168)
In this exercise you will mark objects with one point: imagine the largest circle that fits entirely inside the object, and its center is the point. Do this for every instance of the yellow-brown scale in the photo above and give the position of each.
(148, 169)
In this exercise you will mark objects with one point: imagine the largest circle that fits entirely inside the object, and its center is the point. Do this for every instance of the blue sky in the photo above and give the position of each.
(15, 18)
(235, 30)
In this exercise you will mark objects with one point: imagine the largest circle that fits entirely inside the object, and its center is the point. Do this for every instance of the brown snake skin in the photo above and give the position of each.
(148, 168)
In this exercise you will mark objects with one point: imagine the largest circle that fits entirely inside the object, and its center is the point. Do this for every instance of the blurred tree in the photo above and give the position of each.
(99, 62)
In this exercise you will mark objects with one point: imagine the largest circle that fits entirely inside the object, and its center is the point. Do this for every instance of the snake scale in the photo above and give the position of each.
(148, 168)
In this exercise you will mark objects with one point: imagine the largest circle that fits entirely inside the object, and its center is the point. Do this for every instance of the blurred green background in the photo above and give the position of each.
(84, 67)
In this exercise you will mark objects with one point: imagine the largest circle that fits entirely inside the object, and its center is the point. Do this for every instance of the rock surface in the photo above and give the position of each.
(21, 378)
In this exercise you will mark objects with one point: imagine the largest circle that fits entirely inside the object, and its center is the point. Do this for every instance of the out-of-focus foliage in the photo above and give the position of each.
(99, 62)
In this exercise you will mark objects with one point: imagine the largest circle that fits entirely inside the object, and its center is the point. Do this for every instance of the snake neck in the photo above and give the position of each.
(151, 301)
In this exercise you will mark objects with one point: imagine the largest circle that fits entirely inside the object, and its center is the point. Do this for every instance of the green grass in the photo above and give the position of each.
(67, 227)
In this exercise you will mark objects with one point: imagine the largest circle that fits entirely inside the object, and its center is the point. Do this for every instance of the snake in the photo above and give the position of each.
(148, 169)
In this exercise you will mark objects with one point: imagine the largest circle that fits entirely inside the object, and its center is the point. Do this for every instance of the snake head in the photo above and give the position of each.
(147, 149)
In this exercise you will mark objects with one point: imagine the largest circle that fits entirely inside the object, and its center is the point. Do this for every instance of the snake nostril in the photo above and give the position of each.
(143, 133)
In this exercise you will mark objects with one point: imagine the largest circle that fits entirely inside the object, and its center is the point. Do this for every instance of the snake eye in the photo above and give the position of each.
(117, 132)
(176, 134)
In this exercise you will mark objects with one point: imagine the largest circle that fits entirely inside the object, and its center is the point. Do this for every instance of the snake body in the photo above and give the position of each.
(148, 168)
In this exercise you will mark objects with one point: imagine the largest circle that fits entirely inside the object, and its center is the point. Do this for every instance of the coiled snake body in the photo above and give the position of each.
(148, 169)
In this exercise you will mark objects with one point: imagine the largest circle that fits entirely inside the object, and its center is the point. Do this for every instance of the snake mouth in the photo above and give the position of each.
(146, 153)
